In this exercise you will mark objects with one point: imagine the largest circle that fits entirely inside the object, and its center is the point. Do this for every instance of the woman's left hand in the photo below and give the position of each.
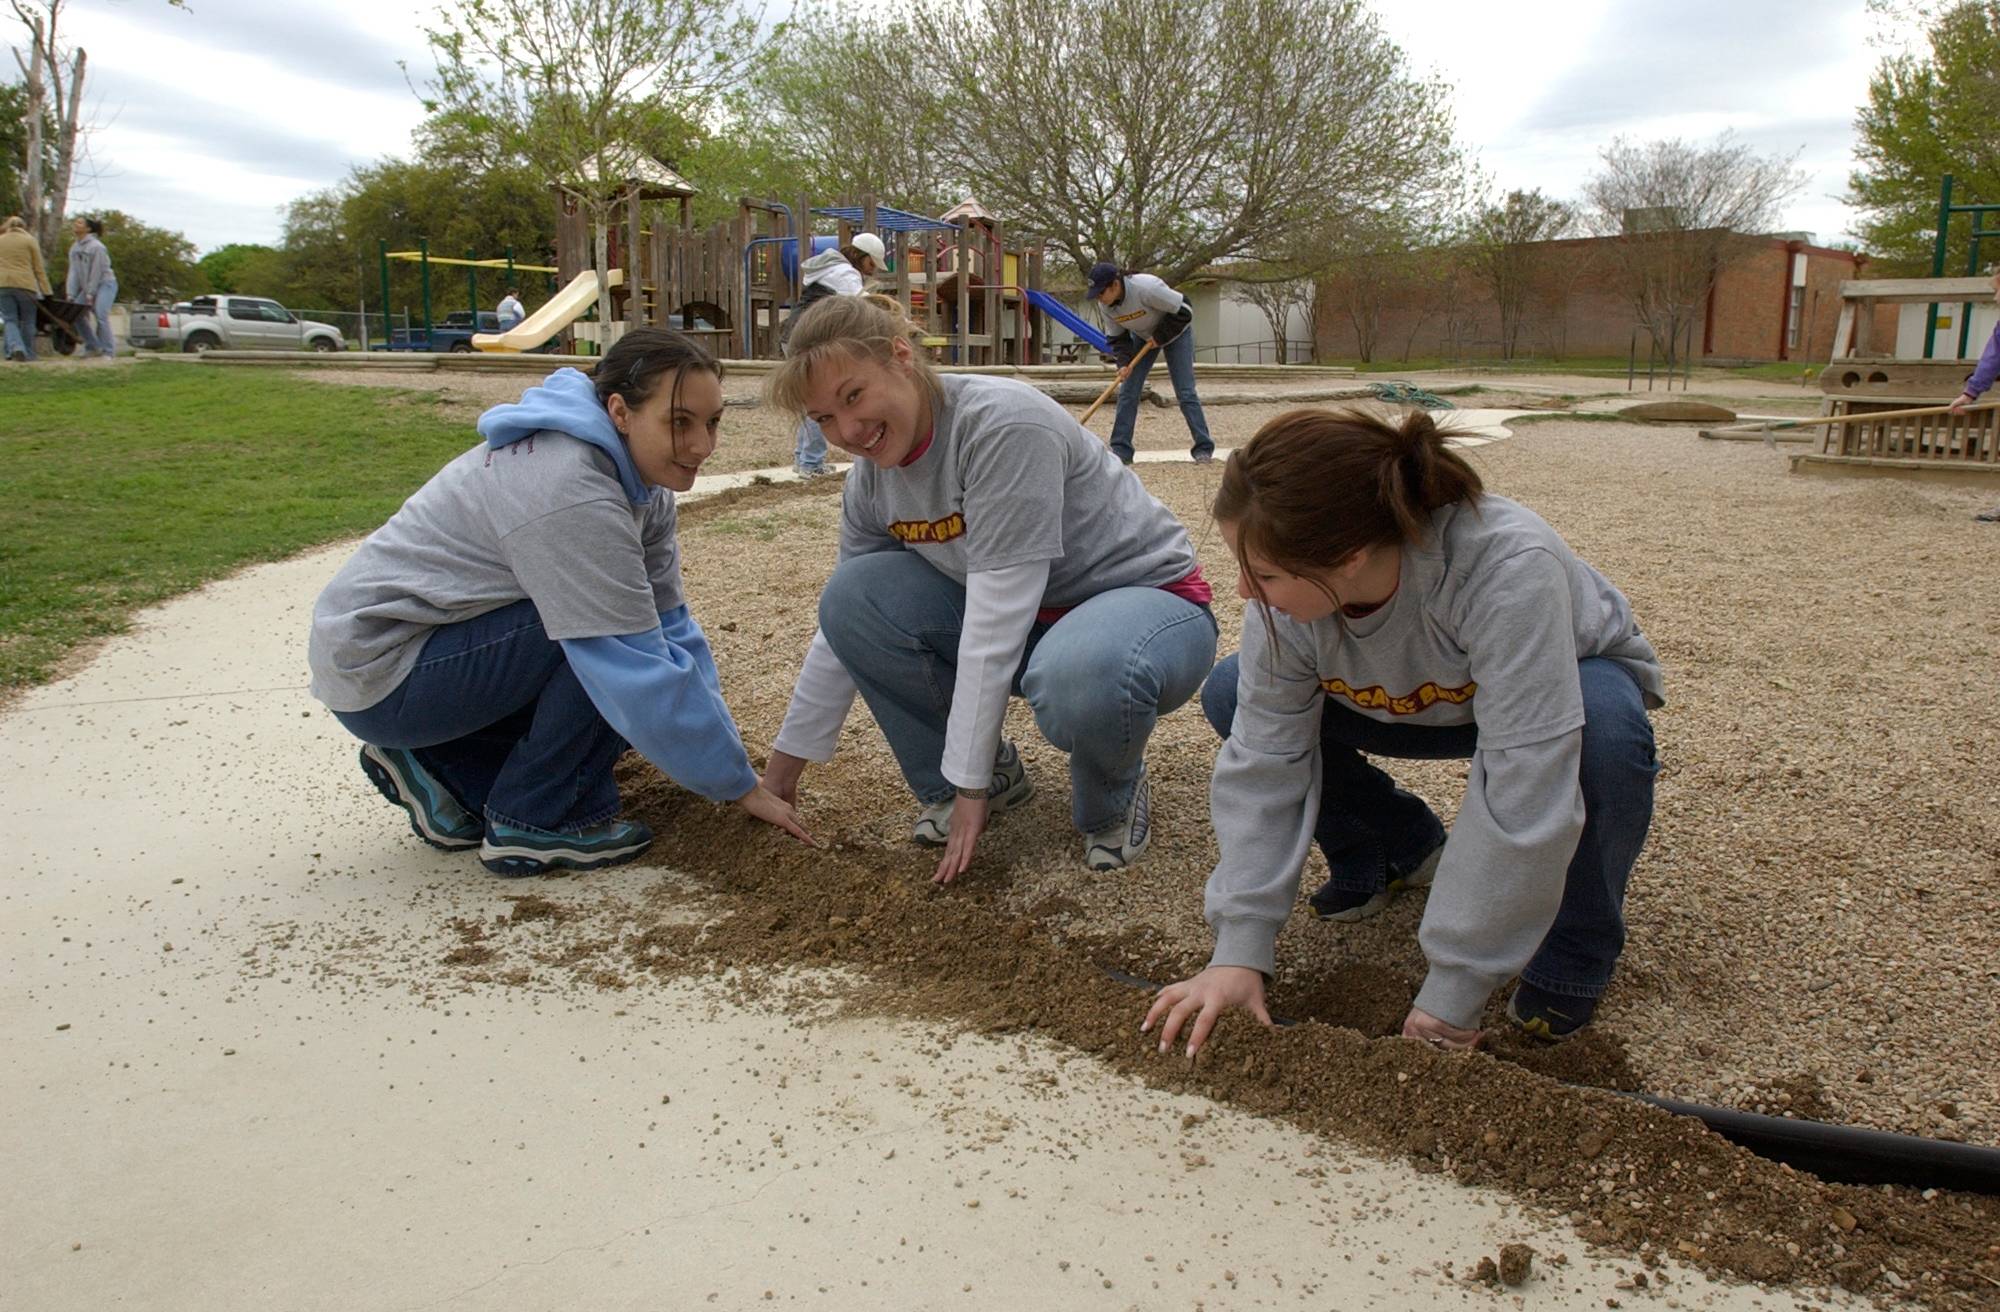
(968, 822)
(1420, 1024)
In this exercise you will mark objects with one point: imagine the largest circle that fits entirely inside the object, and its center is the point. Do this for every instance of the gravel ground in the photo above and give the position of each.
(1812, 925)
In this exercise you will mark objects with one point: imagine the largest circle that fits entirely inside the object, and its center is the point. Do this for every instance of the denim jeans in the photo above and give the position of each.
(96, 328)
(809, 450)
(495, 713)
(18, 310)
(1097, 679)
(1180, 368)
(1369, 829)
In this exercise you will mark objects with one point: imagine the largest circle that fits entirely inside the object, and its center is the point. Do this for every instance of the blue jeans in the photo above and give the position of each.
(18, 310)
(1097, 679)
(1369, 829)
(96, 329)
(809, 450)
(495, 713)
(1180, 368)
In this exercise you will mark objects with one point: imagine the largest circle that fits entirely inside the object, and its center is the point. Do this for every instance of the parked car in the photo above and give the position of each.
(237, 323)
(452, 334)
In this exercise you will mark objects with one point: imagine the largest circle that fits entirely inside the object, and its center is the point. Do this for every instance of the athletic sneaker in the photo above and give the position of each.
(1011, 787)
(524, 850)
(1551, 1016)
(1204, 457)
(1989, 516)
(435, 815)
(1349, 904)
(1125, 842)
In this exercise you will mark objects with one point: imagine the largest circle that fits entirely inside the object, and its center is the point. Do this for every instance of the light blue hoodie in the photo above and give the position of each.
(658, 687)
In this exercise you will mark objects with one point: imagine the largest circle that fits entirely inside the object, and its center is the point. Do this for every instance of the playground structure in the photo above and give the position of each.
(409, 339)
(978, 299)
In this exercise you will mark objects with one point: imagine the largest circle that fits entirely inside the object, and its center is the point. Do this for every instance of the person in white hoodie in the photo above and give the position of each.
(1397, 609)
(843, 271)
(89, 279)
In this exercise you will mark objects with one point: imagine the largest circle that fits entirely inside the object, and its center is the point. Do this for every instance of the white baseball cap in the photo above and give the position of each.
(869, 242)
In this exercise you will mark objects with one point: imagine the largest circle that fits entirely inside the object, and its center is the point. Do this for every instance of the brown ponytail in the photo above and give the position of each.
(1313, 487)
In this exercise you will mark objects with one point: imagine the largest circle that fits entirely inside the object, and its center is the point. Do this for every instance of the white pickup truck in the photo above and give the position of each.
(237, 323)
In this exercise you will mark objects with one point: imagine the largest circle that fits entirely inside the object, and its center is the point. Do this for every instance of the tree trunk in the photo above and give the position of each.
(600, 224)
(32, 208)
(66, 129)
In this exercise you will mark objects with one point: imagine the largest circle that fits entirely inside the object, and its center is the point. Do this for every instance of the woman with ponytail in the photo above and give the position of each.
(1397, 610)
(989, 545)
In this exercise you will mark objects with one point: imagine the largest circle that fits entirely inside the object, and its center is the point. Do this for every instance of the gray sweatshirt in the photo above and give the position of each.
(1143, 302)
(89, 268)
(1492, 614)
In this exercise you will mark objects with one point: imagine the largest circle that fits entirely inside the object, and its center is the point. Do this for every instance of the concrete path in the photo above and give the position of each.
(237, 1079)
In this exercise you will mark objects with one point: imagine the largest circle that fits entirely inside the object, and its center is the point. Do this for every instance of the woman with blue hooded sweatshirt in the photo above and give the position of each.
(502, 639)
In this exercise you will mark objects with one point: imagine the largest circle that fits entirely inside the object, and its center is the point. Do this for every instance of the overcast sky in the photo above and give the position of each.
(212, 118)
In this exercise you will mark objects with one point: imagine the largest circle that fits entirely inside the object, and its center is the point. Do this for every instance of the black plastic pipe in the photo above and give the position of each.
(1844, 1154)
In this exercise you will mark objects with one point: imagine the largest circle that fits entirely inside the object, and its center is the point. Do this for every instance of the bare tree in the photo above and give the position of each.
(574, 88)
(54, 84)
(1503, 249)
(1275, 298)
(1683, 213)
(1174, 134)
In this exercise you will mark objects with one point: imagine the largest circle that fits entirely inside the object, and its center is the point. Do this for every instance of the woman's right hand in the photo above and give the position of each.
(1963, 400)
(1204, 999)
(782, 774)
(772, 809)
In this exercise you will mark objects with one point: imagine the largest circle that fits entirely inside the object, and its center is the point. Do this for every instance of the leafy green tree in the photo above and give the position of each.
(1173, 134)
(246, 268)
(1929, 113)
(153, 264)
(577, 89)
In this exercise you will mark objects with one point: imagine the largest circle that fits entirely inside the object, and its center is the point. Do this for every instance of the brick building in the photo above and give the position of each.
(1780, 300)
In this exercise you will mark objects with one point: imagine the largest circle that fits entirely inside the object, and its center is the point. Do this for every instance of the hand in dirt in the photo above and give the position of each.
(968, 822)
(1962, 400)
(775, 810)
(1420, 1024)
(782, 774)
(1204, 999)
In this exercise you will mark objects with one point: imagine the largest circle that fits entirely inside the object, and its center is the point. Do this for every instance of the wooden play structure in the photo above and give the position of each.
(734, 283)
(1865, 391)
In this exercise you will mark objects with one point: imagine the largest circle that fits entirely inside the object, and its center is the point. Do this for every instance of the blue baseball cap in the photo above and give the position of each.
(1102, 275)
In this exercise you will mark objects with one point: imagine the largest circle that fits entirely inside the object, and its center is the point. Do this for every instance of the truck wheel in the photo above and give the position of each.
(322, 344)
(461, 348)
(196, 343)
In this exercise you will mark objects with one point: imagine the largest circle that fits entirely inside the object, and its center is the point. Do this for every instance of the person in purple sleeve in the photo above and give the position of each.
(1982, 378)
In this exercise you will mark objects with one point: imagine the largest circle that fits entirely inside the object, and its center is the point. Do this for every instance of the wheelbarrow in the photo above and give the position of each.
(60, 321)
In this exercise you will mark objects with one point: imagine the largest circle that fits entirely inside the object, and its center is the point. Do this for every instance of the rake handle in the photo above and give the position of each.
(1105, 395)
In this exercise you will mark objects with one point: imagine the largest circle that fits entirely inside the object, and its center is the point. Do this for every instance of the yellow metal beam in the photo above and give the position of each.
(476, 264)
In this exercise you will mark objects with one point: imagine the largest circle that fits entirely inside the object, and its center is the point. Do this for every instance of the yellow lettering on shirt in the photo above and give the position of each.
(1421, 699)
(916, 531)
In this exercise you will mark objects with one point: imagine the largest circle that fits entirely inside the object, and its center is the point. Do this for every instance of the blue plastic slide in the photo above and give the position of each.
(1068, 318)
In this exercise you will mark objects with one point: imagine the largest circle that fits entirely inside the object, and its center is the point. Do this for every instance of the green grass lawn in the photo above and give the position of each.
(127, 485)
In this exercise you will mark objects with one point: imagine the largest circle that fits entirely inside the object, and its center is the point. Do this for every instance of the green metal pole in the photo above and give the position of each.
(510, 266)
(472, 286)
(1971, 268)
(1937, 262)
(424, 260)
(388, 333)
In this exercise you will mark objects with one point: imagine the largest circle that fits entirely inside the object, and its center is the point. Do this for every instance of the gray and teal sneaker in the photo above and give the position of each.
(435, 814)
(1010, 788)
(1125, 842)
(515, 850)
(1349, 905)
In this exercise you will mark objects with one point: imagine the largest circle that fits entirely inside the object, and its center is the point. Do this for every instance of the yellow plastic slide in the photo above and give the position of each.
(571, 303)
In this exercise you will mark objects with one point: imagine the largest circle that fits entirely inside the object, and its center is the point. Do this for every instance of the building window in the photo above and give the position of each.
(1793, 315)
